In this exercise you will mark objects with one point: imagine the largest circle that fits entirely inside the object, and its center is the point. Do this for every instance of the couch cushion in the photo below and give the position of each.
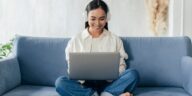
(27, 90)
(157, 59)
(187, 73)
(41, 59)
(160, 91)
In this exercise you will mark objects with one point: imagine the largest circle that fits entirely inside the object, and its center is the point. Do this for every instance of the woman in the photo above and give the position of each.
(97, 38)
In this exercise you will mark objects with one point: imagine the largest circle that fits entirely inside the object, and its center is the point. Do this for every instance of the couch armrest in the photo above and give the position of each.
(186, 65)
(9, 74)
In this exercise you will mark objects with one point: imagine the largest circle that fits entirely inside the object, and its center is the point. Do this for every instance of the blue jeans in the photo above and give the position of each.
(125, 83)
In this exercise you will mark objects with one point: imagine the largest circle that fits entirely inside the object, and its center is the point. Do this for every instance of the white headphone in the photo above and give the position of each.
(108, 16)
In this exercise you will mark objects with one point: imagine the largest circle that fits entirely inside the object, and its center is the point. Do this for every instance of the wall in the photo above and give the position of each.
(187, 18)
(176, 18)
(181, 19)
(64, 18)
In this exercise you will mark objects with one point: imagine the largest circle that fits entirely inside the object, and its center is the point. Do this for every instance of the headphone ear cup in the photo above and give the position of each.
(108, 16)
(85, 16)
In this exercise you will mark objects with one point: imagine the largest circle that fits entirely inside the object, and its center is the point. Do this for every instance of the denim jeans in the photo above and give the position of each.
(126, 82)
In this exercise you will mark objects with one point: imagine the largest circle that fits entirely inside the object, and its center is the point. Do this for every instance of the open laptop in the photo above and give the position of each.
(94, 65)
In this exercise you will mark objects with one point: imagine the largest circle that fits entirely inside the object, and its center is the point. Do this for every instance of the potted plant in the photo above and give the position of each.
(5, 49)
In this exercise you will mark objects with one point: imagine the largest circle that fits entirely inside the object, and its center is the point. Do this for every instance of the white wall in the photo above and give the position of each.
(64, 18)
(182, 18)
(129, 18)
(176, 17)
(187, 30)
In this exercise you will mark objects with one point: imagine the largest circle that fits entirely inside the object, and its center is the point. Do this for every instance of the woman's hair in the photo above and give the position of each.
(94, 4)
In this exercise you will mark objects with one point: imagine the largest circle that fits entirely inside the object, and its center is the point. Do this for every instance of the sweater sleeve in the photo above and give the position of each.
(123, 56)
(68, 49)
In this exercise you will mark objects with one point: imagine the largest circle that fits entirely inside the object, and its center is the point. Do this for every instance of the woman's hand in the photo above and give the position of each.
(122, 68)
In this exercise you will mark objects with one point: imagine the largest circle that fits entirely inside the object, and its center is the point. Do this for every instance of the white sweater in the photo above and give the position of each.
(106, 42)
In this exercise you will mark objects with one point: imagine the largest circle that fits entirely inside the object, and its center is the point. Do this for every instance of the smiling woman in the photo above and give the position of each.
(96, 37)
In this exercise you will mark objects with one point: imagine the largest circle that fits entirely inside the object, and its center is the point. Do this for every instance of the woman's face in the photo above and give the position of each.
(97, 19)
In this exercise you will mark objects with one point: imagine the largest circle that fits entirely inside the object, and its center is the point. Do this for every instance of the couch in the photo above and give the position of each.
(164, 65)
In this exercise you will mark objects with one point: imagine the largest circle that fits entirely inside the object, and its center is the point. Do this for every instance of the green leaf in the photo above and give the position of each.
(5, 49)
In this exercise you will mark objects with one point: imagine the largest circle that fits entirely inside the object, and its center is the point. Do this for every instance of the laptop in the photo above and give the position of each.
(94, 65)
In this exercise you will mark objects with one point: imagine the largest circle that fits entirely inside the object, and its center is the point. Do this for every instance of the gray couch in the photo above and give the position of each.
(164, 65)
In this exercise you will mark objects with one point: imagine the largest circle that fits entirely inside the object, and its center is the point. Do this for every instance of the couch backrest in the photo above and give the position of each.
(41, 60)
(157, 59)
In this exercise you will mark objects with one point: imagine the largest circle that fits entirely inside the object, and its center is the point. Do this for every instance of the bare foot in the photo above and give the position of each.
(126, 94)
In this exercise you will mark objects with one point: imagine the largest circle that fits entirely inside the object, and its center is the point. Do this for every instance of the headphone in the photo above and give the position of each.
(108, 16)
